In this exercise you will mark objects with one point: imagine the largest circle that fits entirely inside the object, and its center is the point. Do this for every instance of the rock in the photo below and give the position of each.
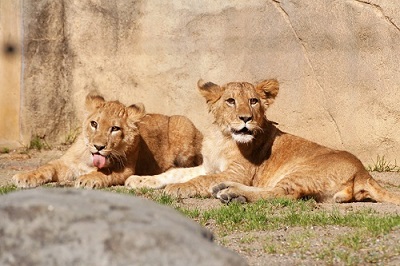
(83, 227)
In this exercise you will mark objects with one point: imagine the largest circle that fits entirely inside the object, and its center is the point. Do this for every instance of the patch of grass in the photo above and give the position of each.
(261, 215)
(192, 214)
(121, 190)
(370, 221)
(165, 199)
(145, 191)
(352, 240)
(38, 143)
(271, 248)
(334, 255)
(382, 165)
(275, 214)
(71, 136)
(296, 242)
(269, 214)
(247, 239)
(4, 150)
(152, 194)
(7, 189)
(344, 248)
(299, 218)
(300, 241)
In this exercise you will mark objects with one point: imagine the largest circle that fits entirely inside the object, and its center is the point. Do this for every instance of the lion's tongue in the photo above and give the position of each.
(99, 161)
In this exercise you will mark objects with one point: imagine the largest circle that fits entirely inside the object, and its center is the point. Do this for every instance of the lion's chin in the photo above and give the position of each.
(243, 135)
(242, 138)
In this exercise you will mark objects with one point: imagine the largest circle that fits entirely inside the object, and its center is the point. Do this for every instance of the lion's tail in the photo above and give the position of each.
(371, 189)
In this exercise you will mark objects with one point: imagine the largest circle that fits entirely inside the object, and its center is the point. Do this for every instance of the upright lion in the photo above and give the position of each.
(118, 141)
(246, 157)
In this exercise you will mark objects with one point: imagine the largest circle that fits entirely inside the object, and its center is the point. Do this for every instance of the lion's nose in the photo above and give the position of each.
(245, 118)
(99, 147)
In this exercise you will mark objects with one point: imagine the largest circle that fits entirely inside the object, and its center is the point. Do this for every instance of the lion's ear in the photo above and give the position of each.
(268, 90)
(93, 101)
(212, 92)
(135, 113)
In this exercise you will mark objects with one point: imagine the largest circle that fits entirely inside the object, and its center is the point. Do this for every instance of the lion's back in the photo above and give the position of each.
(166, 142)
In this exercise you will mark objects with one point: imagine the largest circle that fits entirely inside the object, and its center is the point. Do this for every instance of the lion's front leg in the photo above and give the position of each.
(34, 178)
(100, 179)
(232, 191)
(50, 172)
(199, 186)
(93, 180)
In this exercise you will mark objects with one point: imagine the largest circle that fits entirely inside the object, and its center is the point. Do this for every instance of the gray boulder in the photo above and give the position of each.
(83, 227)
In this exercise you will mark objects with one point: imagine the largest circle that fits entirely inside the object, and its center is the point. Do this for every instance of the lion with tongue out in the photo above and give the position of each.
(118, 141)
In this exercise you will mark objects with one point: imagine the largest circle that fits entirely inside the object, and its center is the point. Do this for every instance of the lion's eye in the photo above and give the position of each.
(115, 128)
(230, 101)
(253, 101)
(93, 124)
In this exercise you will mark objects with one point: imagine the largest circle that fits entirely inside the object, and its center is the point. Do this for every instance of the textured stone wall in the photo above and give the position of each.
(337, 61)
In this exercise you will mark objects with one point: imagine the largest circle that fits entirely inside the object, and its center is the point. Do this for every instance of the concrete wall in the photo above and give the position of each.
(337, 61)
(10, 69)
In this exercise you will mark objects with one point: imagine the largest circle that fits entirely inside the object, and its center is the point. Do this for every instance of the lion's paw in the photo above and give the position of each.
(228, 192)
(89, 181)
(136, 181)
(28, 180)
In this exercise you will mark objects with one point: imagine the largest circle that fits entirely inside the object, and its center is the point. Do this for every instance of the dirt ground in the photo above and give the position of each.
(251, 245)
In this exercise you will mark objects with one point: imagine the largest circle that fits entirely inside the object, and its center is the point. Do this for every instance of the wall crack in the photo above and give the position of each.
(286, 17)
(381, 11)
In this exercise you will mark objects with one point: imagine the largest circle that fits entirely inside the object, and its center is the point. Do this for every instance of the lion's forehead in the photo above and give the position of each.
(239, 85)
(240, 90)
(112, 110)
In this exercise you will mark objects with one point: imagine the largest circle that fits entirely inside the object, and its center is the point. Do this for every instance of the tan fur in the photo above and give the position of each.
(131, 141)
(263, 162)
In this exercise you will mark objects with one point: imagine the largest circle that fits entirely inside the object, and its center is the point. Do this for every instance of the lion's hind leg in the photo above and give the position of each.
(172, 176)
(367, 188)
(344, 195)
